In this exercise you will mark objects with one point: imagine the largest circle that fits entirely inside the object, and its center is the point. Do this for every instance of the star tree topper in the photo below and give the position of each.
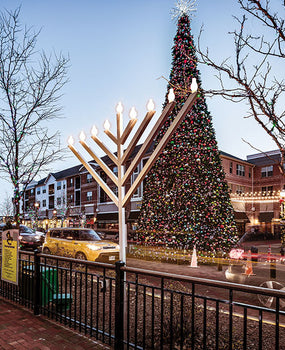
(183, 7)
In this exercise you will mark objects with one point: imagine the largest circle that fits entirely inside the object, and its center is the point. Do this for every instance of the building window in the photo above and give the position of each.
(51, 189)
(267, 171)
(71, 181)
(115, 190)
(134, 176)
(51, 203)
(77, 183)
(77, 191)
(230, 186)
(44, 203)
(44, 190)
(249, 172)
(32, 191)
(231, 167)
(115, 170)
(240, 189)
(38, 191)
(77, 198)
(89, 178)
(70, 199)
(58, 201)
(267, 190)
(103, 198)
(89, 196)
(58, 187)
(240, 170)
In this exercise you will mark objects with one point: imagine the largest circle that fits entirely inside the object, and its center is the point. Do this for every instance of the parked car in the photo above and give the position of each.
(28, 238)
(80, 243)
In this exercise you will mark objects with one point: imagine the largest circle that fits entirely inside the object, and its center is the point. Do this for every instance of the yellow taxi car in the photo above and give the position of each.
(80, 243)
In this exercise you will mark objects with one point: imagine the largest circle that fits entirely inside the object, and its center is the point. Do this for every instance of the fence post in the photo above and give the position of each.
(119, 306)
(37, 282)
(273, 268)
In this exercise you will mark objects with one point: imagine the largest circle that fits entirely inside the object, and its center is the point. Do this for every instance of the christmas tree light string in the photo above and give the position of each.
(186, 200)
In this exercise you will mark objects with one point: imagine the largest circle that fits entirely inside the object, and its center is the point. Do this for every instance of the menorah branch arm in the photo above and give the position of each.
(128, 130)
(111, 136)
(101, 163)
(105, 149)
(137, 136)
(96, 177)
(164, 115)
(159, 148)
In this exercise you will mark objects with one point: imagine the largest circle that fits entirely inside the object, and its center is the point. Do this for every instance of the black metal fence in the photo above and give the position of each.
(130, 308)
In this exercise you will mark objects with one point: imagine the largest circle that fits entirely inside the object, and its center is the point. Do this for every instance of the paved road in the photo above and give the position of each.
(261, 271)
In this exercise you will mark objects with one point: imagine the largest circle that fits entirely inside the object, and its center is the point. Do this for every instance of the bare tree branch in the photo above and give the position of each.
(30, 91)
(252, 70)
(6, 207)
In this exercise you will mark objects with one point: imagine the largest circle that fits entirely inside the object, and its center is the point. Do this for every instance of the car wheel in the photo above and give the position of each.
(46, 250)
(267, 300)
(80, 256)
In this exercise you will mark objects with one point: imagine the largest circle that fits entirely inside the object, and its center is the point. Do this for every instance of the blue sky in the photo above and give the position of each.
(119, 49)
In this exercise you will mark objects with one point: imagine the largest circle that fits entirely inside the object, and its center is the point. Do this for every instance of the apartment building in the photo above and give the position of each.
(73, 198)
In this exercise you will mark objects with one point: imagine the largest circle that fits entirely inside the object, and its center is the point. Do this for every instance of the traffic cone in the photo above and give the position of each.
(194, 258)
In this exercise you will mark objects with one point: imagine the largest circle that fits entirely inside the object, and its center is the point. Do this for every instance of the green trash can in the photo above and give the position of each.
(49, 287)
(49, 283)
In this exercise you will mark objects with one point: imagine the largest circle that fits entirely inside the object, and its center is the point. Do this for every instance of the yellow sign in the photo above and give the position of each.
(9, 266)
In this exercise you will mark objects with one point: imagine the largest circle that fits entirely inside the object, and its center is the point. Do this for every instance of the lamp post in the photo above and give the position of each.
(120, 159)
(37, 212)
(282, 216)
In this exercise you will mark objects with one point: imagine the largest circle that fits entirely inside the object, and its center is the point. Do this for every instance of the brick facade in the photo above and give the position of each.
(254, 186)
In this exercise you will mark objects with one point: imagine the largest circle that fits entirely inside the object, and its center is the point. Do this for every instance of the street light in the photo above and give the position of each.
(37, 212)
(122, 156)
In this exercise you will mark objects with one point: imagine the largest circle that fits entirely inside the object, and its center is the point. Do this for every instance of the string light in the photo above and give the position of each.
(186, 200)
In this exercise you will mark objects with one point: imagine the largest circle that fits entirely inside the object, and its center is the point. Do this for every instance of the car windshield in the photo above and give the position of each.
(25, 229)
(89, 235)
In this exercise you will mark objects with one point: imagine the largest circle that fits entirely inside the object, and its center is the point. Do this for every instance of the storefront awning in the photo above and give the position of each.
(241, 217)
(107, 217)
(266, 217)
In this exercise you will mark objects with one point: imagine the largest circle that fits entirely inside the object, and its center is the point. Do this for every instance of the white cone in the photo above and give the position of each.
(194, 258)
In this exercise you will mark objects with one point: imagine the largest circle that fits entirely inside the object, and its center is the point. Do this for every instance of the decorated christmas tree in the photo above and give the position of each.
(186, 200)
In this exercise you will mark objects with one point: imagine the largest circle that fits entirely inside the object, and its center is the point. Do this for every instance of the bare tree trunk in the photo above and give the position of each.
(29, 100)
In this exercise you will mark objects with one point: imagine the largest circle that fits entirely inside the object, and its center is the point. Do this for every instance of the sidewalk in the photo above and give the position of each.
(20, 329)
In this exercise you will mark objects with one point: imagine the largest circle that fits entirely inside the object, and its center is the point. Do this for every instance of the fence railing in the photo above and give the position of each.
(130, 308)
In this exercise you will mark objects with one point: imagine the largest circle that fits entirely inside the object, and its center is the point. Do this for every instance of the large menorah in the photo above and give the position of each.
(121, 158)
